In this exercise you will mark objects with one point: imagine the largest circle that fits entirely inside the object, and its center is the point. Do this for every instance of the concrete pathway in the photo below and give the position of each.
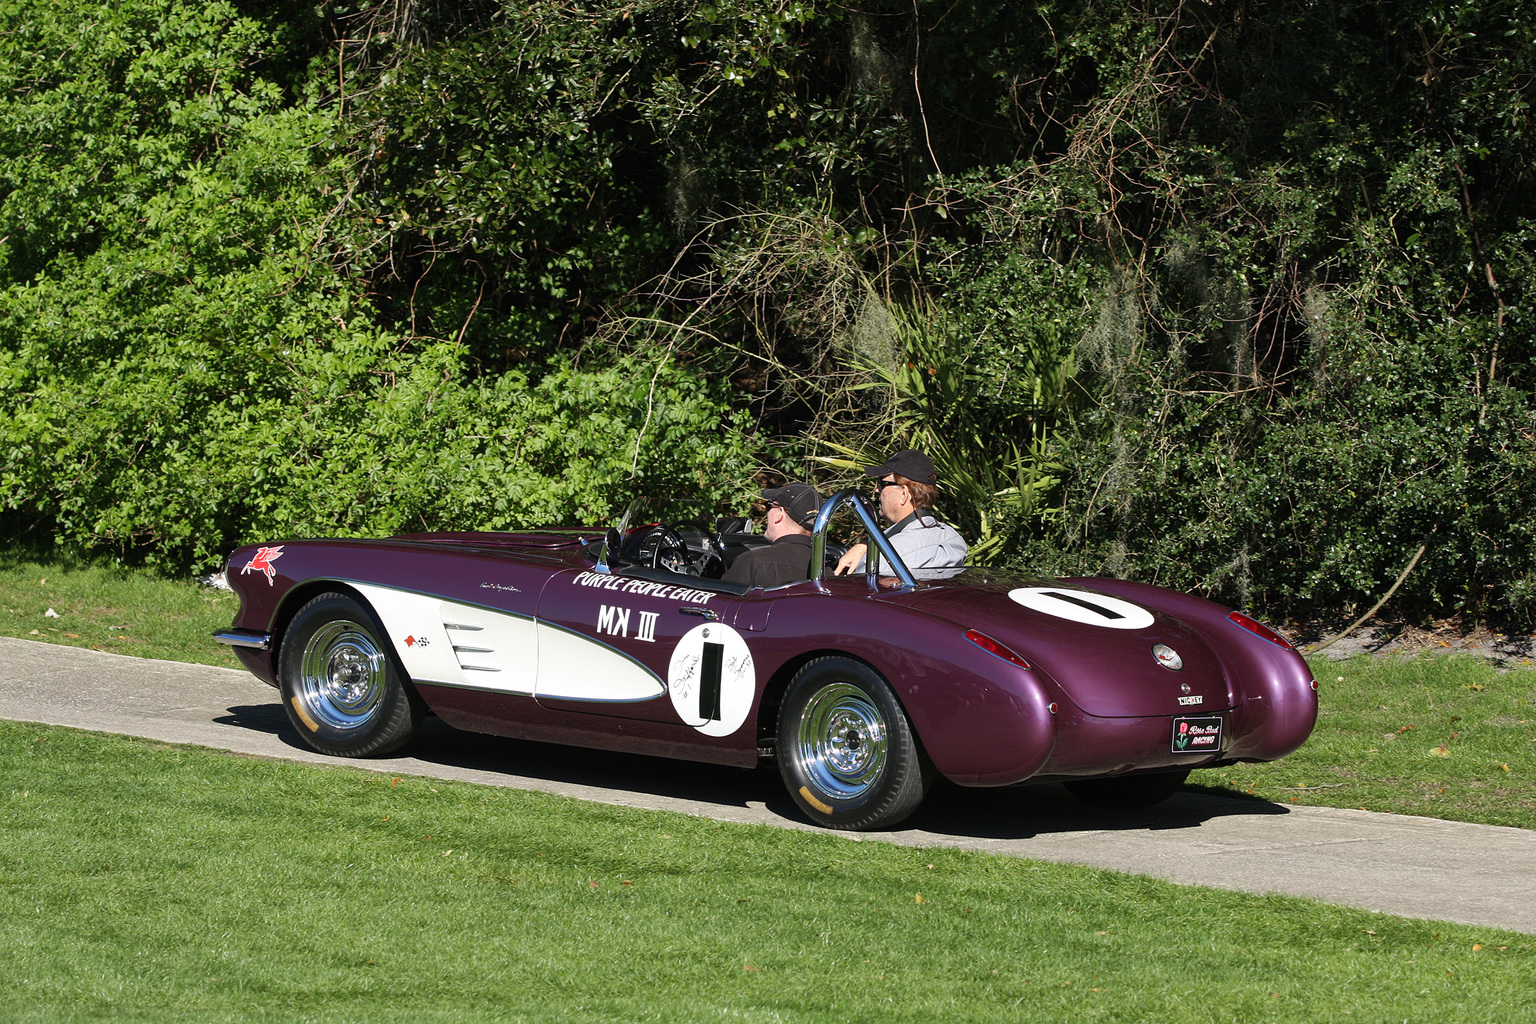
(1397, 864)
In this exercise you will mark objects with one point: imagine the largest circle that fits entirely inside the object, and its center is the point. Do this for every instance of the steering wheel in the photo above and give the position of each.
(712, 562)
(834, 554)
(661, 547)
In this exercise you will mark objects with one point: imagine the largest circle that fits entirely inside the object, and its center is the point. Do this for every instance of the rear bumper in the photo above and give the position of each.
(1087, 745)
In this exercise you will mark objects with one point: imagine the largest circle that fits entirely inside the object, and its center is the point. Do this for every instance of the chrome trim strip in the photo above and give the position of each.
(522, 693)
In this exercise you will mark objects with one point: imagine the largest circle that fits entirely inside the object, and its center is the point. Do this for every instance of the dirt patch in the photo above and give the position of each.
(1387, 638)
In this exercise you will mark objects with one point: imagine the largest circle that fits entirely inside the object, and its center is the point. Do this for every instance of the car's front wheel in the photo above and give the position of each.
(340, 686)
(846, 751)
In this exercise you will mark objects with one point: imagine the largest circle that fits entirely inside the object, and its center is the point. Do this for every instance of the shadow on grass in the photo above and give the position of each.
(1019, 812)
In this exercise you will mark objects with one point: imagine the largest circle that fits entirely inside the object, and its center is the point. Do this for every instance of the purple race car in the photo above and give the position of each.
(860, 687)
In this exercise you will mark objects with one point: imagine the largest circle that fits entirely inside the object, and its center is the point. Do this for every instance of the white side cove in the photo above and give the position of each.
(1083, 606)
(476, 648)
(571, 667)
(457, 644)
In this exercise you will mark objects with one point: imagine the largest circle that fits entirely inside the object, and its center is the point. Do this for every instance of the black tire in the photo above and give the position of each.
(1128, 791)
(846, 751)
(341, 687)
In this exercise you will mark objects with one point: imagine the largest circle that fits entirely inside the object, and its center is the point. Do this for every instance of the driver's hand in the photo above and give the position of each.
(851, 560)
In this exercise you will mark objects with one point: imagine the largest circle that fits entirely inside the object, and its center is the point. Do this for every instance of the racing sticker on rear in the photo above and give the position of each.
(1083, 606)
(712, 679)
(1197, 735)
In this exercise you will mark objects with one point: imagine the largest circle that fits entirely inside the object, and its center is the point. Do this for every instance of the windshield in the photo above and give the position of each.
(704, 538)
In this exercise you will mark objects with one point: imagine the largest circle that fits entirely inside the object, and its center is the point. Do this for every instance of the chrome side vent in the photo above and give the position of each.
(460, 650)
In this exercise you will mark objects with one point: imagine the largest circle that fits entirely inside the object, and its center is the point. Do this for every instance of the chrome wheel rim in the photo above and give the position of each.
(342, 676)
(843, 742)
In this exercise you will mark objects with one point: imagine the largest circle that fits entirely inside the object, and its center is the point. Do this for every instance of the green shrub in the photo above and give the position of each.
(183, 366)
(1251, 283)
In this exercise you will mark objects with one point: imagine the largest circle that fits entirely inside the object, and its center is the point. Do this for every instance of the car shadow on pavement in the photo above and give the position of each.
(441, 745)
(1023, 812)
(267, 718)
(1009, 813)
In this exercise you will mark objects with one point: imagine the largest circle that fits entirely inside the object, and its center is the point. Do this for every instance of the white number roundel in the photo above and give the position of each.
(712, 679)
(1083, 606)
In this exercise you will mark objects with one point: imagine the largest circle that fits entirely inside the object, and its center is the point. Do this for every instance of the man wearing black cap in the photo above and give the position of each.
(908, 485)
(791, 511)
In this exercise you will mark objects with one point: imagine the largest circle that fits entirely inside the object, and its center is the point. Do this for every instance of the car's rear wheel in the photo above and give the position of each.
(846, 750)
(1128, 791)
(340, 685)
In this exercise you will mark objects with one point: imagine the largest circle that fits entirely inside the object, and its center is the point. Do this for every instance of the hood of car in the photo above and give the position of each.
(1112, 657)
(531, 540)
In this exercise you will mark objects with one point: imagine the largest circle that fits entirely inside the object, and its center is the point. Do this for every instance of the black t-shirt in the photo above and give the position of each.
(786, 560)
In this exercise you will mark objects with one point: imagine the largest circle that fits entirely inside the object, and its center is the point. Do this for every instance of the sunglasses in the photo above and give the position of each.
(883, 484)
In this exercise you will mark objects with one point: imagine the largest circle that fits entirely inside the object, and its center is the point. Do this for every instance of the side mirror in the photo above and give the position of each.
(613, 545)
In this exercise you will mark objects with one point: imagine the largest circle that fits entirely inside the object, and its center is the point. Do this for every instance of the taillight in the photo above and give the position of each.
(1260, 630)
(991, 646)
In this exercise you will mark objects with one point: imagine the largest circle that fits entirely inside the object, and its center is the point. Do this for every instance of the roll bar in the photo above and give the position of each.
(877, 538)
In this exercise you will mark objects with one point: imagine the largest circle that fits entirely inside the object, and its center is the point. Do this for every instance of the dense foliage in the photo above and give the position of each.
(1230, 297)
(187, 356)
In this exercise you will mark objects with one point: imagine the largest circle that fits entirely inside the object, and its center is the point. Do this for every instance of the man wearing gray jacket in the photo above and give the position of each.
(908, 484)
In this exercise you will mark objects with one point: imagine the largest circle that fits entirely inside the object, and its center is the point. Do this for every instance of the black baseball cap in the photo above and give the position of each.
(800, 500)
(910, 463)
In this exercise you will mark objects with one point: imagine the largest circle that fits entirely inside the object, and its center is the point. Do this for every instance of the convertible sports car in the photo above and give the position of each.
(860, 687)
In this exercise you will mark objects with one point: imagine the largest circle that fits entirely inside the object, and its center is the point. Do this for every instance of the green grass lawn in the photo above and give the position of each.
(1438, 735)
(108, 608)
(140, 881)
